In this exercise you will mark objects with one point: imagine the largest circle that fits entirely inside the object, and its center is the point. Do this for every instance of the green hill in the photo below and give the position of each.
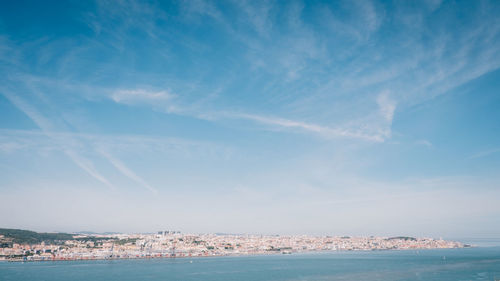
(31, 237)
(402, 238)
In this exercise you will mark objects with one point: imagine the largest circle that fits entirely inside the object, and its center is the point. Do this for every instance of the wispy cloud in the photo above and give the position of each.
(309, 127)
(201, 7)
(368, 12)
(140, 95)
(162, 100)
(424, 143)
(67, 142)
(12, 141)
(126, 171)
(485, 153)
(258, 15)
(48, 128)
(387, 106)
(87, 166)
(301, 51)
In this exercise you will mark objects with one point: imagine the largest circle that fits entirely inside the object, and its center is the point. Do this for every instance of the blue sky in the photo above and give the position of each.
(344, 117)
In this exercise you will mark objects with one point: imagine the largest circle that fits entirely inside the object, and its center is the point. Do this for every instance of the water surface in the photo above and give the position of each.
(442, 265)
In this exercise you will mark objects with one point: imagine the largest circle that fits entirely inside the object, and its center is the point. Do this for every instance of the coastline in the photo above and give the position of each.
(153, 257)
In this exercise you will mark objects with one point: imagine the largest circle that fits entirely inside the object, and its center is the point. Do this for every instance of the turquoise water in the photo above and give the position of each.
(442, 265)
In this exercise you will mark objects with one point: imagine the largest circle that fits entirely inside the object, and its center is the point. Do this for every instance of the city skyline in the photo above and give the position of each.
(346, 118)
(29, 246)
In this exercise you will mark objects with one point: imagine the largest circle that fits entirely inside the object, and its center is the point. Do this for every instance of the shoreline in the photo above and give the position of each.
(62, 259)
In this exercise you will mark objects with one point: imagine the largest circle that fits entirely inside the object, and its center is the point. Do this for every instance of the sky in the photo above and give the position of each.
(261, 117)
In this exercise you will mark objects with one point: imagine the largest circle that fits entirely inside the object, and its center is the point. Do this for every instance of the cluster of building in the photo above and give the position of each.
(176, 244)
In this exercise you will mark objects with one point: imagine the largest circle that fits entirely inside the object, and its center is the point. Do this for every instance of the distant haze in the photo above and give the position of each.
(286, 117)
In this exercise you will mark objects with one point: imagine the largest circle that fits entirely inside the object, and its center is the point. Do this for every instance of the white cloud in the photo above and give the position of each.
(71, 144)
(485, 153)
(324, 131)
(126, 171)
(48, 128)
(163, 100)
(424, 143)
(257, 14)
(140, 95)
(201, 7)
(368, 13)
(17, 140)
(87, 166)
(387, 106)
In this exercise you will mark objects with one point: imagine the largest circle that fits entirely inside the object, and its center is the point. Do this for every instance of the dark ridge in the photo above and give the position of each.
(402, 238)
(31, 237)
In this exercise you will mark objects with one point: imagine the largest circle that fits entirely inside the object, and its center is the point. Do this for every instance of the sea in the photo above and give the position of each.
(479, 263)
